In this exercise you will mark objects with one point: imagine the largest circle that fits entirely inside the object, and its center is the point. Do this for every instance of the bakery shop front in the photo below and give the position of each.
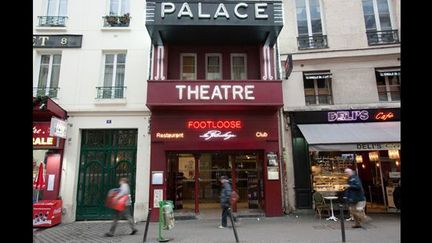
(48, 145)
(366, 140)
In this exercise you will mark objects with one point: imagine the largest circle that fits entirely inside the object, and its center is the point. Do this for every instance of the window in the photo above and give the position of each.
(309, 25)
(317, 86)
(388, 84)
(113, 83)
(118, 14)
(188, 66)
(56, 11)
(213, 66)
(238, 67)
(118, 7)
(49, 73)
(378, 22)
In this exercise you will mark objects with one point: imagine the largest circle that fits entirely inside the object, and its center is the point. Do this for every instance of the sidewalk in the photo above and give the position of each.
(291, 228)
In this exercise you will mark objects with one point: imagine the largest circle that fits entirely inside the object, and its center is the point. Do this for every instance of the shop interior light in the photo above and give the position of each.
(363, 166)
(397, 162)
(393, 154)
(374, 156)
(359, 158)
(377, 164)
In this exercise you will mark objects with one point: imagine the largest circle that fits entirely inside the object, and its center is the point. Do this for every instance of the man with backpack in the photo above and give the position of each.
(225, 198)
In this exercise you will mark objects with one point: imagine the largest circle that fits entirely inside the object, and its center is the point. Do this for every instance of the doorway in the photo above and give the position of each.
(200, 172)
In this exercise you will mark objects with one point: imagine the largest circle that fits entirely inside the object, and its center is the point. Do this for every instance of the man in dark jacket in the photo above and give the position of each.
(356, 198)
(225, 200)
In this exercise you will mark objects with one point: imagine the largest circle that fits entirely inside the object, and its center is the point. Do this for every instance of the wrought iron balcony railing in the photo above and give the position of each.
(58, 21)
(111, 92)
(322, 99)
(382, 37)
(116, 21)
(45, 91)
(312, 42)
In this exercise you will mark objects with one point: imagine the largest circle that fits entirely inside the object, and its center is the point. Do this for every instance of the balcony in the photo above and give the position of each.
(116, 21)
(110, 92)
(52, 21)
(312, 42)
(45, 91)
(382, 37)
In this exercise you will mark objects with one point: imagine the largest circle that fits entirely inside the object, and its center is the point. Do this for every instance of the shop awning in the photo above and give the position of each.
(337, 136)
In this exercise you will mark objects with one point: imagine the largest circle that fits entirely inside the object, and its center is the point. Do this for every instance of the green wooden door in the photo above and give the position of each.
(106, 156)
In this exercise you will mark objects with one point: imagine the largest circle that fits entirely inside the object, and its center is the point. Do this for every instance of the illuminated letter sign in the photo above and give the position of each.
(219, 124)
(217, 92)
(217, 134)
(347, 115)
(170, 135)
(41, 137)
(261, 134)
(221, 10)
(384, 116)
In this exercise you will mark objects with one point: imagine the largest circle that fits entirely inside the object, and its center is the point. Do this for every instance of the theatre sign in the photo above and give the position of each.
(216, 92)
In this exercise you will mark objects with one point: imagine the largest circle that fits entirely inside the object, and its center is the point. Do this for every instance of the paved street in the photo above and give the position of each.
(301, 228)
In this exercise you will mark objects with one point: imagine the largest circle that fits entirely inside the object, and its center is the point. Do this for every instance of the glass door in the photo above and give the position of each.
(186, 176)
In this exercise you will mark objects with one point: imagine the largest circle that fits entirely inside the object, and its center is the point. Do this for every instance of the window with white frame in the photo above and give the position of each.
(317, 87)
(238, 66)
(114, 73)
(309, 24)
(388, 84)
(49, 74)
(378, 21)
(213, 66)
(118, 7)
(188, 66)
(55, 13)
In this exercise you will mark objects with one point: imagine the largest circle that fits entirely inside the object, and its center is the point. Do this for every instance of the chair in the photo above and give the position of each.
(320, 204)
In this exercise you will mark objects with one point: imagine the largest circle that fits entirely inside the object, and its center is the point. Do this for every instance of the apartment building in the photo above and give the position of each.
(341, 65)
(92, 59)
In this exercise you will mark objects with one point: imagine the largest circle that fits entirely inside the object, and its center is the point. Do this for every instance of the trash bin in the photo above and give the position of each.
(47, 213)
(167, 212)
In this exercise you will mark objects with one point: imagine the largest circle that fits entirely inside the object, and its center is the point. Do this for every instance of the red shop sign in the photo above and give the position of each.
(41, 137)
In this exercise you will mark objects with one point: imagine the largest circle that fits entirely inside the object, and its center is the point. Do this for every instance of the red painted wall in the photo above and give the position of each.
(53, 167)
(253, 61)
(252, 121)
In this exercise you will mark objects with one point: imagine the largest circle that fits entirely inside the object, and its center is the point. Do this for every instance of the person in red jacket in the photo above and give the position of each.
(124, 190)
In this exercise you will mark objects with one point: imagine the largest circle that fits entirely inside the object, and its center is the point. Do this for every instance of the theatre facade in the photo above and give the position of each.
(215, 98)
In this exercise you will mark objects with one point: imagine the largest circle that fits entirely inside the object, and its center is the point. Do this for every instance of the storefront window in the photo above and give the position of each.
(38, 158)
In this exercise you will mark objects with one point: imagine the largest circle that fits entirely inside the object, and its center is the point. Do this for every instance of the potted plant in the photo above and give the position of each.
(111, 20)
(125, 19)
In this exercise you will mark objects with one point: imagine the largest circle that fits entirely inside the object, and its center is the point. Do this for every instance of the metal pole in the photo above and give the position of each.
(342, 221)
(382, 185)
(147, 225)
(233, 225)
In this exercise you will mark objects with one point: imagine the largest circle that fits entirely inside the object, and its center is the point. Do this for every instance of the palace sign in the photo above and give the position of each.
(214, 12)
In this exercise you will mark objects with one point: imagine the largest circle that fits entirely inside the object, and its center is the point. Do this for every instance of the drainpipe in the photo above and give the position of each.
(281, 137)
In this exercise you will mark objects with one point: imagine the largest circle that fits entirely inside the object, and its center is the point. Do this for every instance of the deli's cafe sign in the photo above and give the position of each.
(41, 136)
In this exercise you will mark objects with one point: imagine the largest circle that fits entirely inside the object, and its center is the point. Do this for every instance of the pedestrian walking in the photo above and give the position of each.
(225, 200)
(123, 194)
(356, 198)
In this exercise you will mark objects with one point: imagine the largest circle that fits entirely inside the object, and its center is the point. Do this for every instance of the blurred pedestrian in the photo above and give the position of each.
(124, 191)
(225, 200)
(356, 198)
